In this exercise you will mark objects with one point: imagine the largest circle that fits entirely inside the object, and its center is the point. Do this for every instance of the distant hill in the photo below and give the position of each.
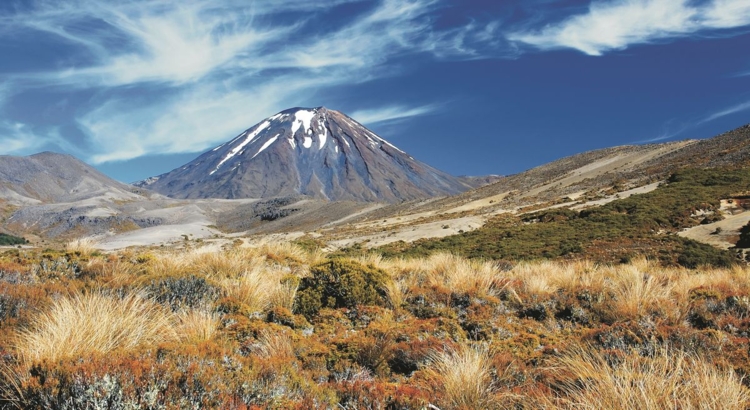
(597, 205)
(49, 177)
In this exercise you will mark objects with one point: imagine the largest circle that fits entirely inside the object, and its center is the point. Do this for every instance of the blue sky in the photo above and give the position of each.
(139, 87)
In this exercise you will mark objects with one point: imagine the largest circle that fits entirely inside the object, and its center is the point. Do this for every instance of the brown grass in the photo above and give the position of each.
(94, 324)
(670, 380)
(275, 345)
(81, 246)
(197, 325)
(464, 377)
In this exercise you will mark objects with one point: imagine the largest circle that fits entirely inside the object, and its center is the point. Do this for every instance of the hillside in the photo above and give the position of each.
(49, 177)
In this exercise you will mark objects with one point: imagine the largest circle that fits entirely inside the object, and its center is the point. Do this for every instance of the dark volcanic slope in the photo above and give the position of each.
(316, 152)
(49, 177)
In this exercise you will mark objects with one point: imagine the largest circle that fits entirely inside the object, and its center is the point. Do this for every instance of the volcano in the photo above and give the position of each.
(315, 152)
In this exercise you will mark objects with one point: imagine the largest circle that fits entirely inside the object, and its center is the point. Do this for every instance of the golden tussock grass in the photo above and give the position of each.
(630, 291)
(168, 264)
(464, 377)
(197, 325)
(81, 246)
(115, 273)
(638, 293)
(669, 380)
(262, 287)
(286, 252)
(275, 345)
(220, 264)
(94, 324)
(443, 269)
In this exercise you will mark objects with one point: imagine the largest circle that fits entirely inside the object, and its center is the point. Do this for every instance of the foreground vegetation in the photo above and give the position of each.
(281, 327)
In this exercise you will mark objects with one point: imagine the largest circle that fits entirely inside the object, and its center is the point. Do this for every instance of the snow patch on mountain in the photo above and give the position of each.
(239, 148)
(302, 118)
(266, 145)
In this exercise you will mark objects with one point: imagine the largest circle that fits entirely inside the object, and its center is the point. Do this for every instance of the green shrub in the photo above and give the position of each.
(9, 240)
(694, 254)
(744, 241)
(341, 283)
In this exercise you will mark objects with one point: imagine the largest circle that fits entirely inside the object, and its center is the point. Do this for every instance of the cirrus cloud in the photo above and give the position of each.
(617, 25)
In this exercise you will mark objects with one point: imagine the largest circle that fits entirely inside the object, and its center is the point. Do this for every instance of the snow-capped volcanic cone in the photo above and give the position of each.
(316, 152)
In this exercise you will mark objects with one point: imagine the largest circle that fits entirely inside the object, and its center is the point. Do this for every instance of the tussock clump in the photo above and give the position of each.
(253, 288)
(287, 252)
(636, 293)
(220, 264)
(94, 324)
(458, 274)
(81, 246)
(464, 378)
(669, 380)
(262, 287)
(168, 264)
(197, 325)
(275, 345)
(462, 275)
(114, 272)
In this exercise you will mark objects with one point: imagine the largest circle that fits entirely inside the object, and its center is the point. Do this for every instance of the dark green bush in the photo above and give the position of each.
(744, 241)
(9, 240)
(694, 254)
(341, 283)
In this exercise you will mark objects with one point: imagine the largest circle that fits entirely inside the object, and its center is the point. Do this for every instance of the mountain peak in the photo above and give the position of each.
(309, 151)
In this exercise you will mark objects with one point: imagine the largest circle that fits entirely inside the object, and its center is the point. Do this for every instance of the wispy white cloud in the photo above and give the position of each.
(673, 128)
(18, 137)
(392, 113)
(190, 121)
(177, 44)
(745, 106)
(616, 25)
(175, 77)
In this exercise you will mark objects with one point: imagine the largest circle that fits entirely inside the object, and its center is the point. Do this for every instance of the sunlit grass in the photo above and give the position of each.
(669, 380)
(95, 324)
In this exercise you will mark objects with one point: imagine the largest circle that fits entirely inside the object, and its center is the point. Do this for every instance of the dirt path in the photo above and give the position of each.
(727, 236)
(438, 229)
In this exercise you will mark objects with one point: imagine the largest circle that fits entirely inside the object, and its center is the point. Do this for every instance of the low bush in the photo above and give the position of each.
(179, 292)
(10, 240)
(341, 283)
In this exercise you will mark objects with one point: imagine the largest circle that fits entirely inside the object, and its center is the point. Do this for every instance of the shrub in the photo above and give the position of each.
(341, 283)
(180, 292)
(744, 241)
(9, 240)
